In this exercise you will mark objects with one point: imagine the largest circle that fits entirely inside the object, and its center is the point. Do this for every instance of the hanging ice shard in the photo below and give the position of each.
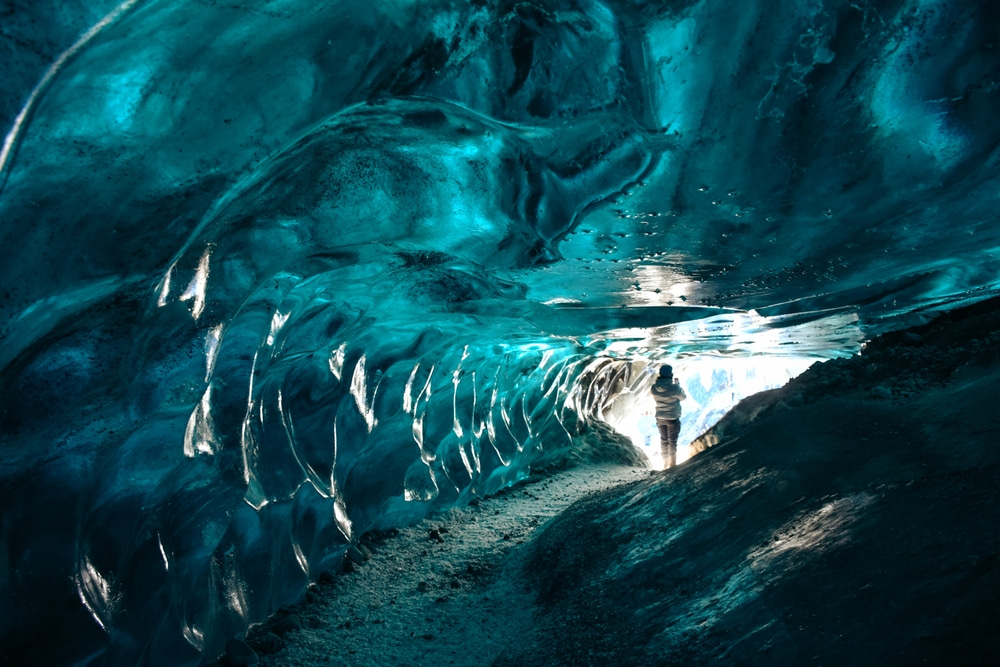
(275, 272)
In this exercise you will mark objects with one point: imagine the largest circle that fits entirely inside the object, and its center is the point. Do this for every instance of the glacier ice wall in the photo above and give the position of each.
(276, 271)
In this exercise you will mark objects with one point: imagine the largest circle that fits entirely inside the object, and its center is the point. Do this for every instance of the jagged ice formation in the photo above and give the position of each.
(278, 271)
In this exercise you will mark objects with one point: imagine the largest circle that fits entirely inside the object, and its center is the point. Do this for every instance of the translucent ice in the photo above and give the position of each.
(277, 272)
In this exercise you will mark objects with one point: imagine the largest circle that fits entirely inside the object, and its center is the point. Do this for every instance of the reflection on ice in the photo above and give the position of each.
(262, 294)
(810, 534)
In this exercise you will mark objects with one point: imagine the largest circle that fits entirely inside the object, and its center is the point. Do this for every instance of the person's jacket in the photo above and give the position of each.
(668, 397)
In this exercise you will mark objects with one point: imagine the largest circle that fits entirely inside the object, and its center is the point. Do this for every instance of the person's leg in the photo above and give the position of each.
(668, 441)
(673, 430)
(664, 440)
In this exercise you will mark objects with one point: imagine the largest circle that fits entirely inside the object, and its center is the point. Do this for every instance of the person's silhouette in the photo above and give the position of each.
(668, 396)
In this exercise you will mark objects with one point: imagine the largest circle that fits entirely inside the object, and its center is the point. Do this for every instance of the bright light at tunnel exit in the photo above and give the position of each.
(713, 386)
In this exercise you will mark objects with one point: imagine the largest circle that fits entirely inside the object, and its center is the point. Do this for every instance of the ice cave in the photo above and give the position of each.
(278, 275)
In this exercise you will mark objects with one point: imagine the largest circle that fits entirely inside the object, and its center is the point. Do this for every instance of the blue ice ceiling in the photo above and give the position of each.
(276, 271)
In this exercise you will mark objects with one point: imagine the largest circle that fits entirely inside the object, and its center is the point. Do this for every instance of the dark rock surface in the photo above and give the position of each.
(239, 653)
(852, 529)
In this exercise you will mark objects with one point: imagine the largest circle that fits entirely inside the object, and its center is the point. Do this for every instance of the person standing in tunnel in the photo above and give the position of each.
(668, 395)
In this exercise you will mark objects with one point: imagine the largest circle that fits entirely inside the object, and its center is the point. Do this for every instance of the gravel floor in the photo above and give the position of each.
(448, 591)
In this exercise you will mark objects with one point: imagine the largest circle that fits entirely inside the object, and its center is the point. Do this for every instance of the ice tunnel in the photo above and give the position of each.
(275, 272)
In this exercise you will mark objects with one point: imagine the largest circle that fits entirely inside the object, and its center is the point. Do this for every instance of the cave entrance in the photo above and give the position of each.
(713, 384)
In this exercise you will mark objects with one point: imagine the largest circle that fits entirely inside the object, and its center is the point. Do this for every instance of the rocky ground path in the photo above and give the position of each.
(447, 591)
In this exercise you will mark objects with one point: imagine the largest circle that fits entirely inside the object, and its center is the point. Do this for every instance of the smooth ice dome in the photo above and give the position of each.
(278, 272)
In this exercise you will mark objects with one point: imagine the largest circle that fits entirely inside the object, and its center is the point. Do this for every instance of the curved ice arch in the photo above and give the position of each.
(327, 405)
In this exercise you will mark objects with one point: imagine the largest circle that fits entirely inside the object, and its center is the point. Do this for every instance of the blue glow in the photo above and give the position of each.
(278, 273)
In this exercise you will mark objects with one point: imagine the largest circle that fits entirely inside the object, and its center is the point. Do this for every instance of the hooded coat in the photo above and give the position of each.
(668, 397)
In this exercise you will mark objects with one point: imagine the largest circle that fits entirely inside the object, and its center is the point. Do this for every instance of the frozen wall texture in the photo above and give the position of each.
(276, 272)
